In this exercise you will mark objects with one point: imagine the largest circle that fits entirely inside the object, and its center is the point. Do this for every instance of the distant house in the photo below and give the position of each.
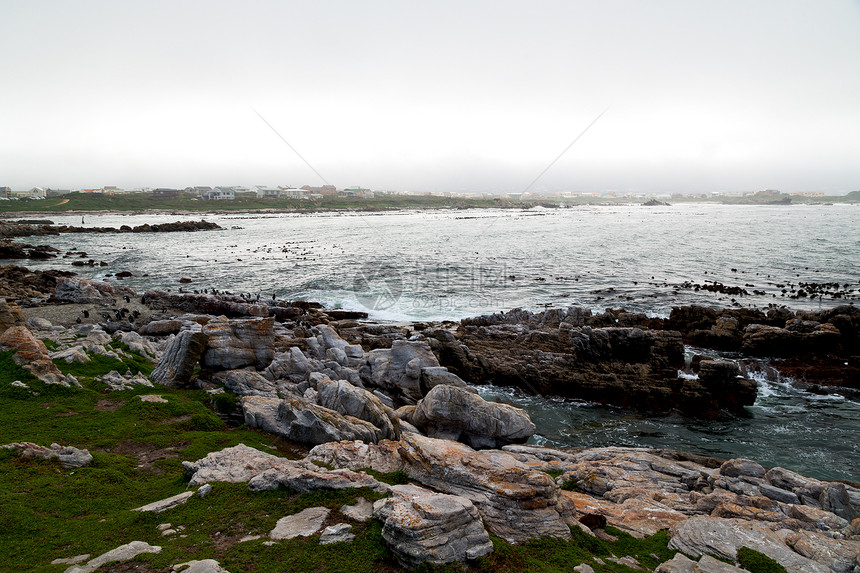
(296, 193)
(219, 194)
(5, 192)
(56, 192)
(165, 193)
(34, 193)
(268, 192)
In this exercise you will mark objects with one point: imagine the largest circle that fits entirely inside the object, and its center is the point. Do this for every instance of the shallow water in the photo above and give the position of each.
(451, 264)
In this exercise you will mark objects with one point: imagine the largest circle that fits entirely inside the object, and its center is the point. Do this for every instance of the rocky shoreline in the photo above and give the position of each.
(400, 399)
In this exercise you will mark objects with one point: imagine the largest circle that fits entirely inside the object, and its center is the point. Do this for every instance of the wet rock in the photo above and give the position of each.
(421, 526)
(238, 343)
(516, 503)
(455, 413)
(177, 363)
(742, 467)
(547, 354)
(348, 400)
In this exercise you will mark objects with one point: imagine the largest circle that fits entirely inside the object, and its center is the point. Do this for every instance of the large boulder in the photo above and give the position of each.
(238, 343)
(421, 526)
(516, 502)
(265, 472)
(297, 419)
(179, 359)
(86, 291)
(245, 383)
(292, 365)
(32, 355)
(455, 413)
(397, 370)
(343, 397)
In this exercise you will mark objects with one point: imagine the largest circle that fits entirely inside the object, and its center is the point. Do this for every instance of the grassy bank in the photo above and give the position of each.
(50, 512)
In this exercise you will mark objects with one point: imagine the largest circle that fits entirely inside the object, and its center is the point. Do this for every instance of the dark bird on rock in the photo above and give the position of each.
(127, 299)
(86, 314)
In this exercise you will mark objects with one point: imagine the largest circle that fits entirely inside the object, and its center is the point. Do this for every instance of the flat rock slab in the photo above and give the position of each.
(165, 504)
(361, 511)
(121, 553)
(301, 524)
(201, 566)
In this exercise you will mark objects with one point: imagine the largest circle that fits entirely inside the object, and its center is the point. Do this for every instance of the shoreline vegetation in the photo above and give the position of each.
(169, 431)
(138, 203)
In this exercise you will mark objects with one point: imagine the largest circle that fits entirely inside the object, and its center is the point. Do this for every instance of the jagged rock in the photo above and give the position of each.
(115, 381)
(297, 419)
(227, 305)
(245, 383)
(721, 537)
(86, 291)
(455, 413)
(397, 370)
(32, 355)
(292, 365)
(548, 354)
(433, 376)
(236, 464)
(68, 456)
(265, 472)
(179, 359)
(343, 397)
(137, 343)
(238, 343)
(382, 457)
(302, 524)
(122, 553)
(71, 355)
(516, 502)
(423, 526)
(338, 533)
(10, 315)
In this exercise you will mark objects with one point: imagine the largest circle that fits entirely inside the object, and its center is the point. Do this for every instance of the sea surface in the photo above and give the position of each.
(449, 264)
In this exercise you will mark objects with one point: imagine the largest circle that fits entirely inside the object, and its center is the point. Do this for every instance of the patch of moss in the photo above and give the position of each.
(756, 562)
(570, 485)
(50, 344)
(398, 477)
(553, 473)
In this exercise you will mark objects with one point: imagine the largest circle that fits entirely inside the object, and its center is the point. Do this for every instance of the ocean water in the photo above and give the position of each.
(449, 264)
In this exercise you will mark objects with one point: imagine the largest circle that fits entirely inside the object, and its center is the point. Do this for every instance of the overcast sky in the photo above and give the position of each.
(437, 96)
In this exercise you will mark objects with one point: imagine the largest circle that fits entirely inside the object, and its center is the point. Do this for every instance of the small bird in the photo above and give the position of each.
(86, 314)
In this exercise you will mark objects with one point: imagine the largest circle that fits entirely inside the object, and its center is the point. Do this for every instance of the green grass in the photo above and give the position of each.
(756, 562)
(49, 512)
